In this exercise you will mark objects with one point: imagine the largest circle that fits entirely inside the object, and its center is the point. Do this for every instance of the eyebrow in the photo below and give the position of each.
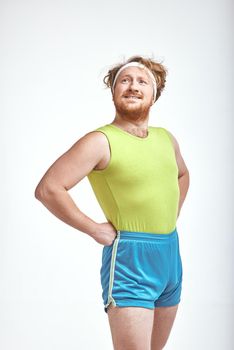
(129, 75)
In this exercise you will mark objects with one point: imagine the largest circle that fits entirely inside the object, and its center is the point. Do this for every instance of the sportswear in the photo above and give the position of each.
(142, 269)
(138, 190)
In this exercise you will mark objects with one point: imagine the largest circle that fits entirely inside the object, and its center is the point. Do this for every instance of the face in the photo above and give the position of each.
(133, 93)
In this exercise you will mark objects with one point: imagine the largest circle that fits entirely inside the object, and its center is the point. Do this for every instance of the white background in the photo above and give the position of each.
(54, 55)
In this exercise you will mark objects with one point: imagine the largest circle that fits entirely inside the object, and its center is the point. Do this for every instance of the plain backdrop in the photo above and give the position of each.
(54, 55)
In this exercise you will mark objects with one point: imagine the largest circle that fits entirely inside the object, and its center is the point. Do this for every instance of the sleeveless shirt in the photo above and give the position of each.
(138, 190)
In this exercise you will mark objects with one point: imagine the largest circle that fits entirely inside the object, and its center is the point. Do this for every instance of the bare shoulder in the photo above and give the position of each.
(93, 148)
(179, 159)
(174, 141)
(93, 138)
(93, 144)
(77, 162)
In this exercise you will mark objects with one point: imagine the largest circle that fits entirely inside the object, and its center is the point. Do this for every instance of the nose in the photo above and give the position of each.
(133, 85)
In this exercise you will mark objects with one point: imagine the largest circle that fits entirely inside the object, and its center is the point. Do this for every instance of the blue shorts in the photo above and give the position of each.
(142, 269)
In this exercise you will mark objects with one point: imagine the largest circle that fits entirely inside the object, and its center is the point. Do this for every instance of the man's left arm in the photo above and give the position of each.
(183, 175)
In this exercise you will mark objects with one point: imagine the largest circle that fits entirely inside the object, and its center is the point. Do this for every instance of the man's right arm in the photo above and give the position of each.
(69, 169)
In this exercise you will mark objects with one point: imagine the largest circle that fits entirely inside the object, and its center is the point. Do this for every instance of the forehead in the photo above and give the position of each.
(134, 72)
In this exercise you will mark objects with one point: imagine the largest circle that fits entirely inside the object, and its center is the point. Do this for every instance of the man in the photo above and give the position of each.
(140, 181)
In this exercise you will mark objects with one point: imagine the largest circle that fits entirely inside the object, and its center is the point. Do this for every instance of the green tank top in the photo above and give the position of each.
(138, 190)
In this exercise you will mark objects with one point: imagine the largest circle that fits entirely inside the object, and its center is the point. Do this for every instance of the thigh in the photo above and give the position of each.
(163, 321)
(131, 327)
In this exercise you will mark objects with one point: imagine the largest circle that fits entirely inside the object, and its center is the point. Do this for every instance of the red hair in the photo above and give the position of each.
(158, 70)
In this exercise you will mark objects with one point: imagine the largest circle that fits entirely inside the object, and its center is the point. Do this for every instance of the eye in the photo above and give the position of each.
(143, 81)
(124, 80)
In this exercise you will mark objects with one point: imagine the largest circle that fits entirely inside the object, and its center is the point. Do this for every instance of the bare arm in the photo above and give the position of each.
(183, 177)
(69, 169)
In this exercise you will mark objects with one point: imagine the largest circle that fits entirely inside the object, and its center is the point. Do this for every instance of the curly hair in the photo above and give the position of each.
(159, 71)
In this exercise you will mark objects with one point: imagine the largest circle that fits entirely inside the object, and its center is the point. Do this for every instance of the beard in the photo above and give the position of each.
(132, 111)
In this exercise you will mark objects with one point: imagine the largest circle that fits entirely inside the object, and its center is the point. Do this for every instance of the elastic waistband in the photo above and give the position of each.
(148, 236)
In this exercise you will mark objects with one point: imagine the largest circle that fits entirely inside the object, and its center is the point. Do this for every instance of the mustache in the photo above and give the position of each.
(131, 94)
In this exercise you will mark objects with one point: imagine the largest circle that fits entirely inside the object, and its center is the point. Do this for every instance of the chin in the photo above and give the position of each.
(132, 109)
(133, 113)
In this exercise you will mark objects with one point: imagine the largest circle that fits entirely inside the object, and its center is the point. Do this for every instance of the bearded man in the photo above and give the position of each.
(140, 180)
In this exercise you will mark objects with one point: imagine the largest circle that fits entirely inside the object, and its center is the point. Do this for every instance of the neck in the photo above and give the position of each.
(127, 122)
(135, 127)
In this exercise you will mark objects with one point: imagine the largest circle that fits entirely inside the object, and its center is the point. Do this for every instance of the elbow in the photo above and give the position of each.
(188, 175)
(39, 192)
(47, 189)
(43, 191)
(188, 179)
(185, 176)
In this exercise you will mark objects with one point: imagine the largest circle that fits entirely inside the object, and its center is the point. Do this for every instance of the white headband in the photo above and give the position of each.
(140, 65)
